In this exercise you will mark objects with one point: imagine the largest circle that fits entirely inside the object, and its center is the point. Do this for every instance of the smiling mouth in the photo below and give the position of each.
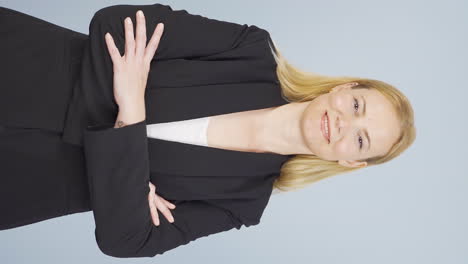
(325, 127)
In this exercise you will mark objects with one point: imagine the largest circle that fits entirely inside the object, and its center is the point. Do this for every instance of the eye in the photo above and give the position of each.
(356, 105)
(356, 108)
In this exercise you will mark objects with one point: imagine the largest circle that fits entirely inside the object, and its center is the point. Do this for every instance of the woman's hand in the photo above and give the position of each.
(157, 202)
(131, 70)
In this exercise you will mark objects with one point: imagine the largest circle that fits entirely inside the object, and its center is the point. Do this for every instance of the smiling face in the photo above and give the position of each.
(362, 124)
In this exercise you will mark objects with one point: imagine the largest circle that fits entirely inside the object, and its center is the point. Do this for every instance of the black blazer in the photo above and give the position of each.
(202, 67)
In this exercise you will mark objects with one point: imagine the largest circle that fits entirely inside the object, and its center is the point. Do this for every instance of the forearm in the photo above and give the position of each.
(130, 114)
(117, 166)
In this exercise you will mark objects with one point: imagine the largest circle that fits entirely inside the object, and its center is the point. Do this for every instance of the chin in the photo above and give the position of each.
(313, 132)
(309, 126)
(326, 158)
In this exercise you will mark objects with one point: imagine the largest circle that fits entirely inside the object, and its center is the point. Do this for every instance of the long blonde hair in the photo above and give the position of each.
(299, 86)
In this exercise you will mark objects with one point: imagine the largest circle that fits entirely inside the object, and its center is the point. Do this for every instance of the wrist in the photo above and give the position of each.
(130, 114)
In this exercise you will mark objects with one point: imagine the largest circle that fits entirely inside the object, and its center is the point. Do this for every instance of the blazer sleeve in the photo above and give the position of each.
(185, 35)
(117, 166)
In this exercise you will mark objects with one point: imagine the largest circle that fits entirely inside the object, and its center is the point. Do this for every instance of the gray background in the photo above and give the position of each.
(410, 210)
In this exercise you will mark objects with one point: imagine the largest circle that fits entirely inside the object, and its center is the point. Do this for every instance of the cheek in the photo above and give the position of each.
(338, 101)
(343, 149)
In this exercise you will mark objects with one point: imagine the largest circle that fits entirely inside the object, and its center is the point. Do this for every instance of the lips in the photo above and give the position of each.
(325, 124)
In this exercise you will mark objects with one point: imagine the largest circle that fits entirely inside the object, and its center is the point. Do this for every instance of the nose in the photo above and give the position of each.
(345, 121)
(342, 123)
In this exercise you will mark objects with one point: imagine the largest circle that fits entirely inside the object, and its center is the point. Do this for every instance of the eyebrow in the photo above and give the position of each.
(365, 130)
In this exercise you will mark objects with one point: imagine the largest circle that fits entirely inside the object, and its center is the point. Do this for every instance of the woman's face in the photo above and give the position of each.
(362, 124)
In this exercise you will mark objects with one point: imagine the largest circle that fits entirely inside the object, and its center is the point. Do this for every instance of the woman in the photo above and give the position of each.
(271, 126)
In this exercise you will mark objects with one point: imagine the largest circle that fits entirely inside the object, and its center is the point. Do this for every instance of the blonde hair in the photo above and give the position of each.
(299, 86)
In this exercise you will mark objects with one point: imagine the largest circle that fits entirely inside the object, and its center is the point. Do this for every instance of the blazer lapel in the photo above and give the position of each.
(193, 160)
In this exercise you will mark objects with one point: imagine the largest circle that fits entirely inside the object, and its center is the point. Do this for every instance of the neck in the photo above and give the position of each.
(278, 130)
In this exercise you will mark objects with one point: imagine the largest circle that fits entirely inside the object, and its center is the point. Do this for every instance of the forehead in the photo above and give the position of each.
(381, 121)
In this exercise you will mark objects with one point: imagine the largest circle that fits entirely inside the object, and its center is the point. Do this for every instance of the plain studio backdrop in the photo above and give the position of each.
(410, 210)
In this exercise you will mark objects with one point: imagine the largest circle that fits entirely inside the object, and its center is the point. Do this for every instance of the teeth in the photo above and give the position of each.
(326, 126)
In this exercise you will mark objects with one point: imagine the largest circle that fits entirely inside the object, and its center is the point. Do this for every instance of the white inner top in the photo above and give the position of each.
(191, 131)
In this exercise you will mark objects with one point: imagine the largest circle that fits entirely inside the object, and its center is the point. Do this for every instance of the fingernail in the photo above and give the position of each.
(128, 20)
(140, 13)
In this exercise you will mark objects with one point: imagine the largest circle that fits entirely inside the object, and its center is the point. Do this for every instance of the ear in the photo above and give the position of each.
(352, 163)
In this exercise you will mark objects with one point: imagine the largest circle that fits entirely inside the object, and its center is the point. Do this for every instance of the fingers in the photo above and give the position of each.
(154, 42)
(153, 211)
(152, 187)
(140, 34)
(129, 37)
(113, 50)
(152, 204)
(158, 203)
(138, 47)
(164, 210)
(167, 203)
